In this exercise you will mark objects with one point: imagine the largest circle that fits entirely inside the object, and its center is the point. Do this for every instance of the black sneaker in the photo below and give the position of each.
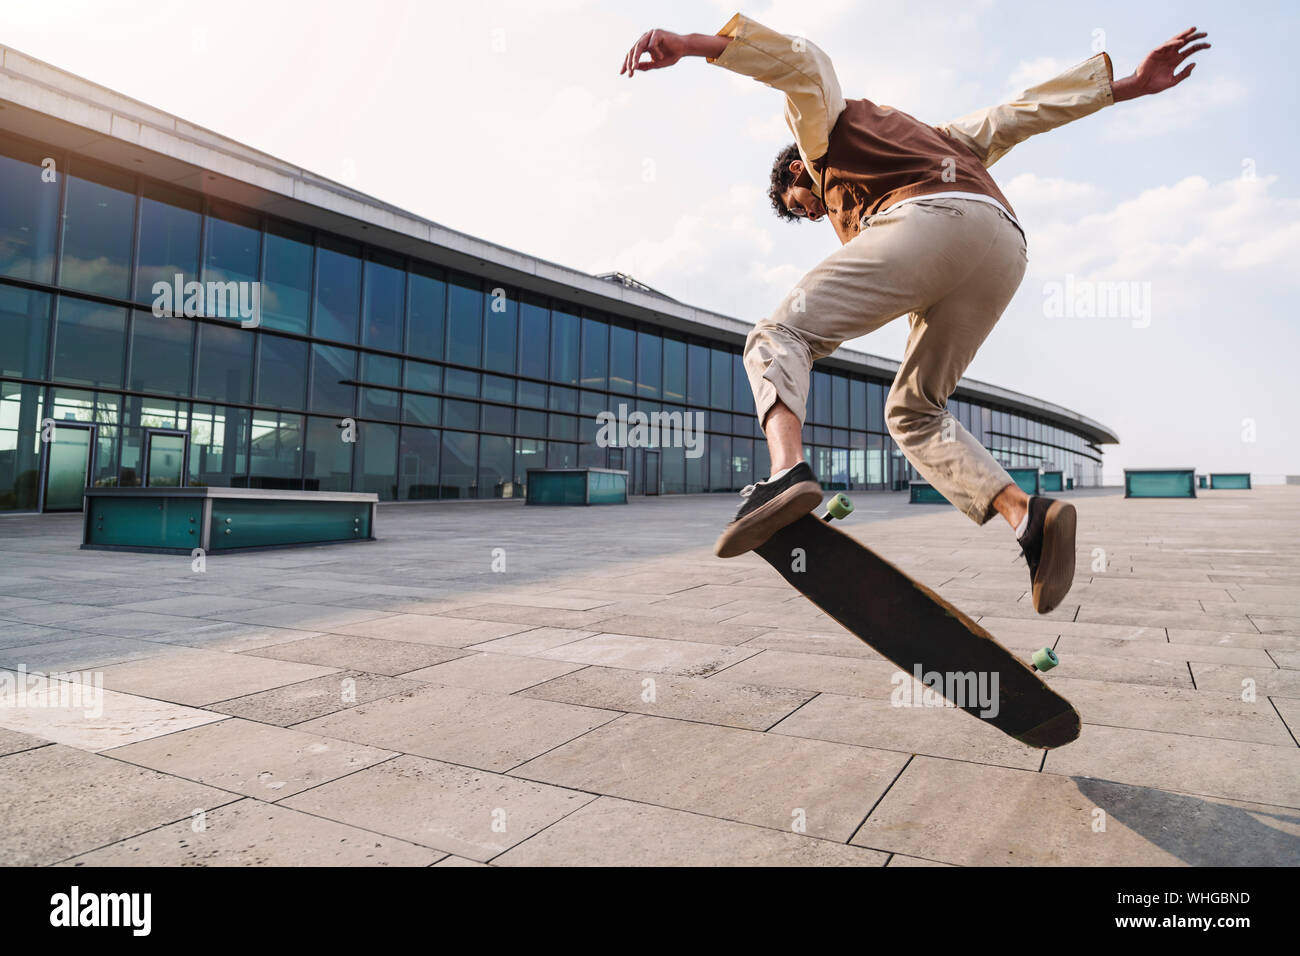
(768, 507)
(1048, 547)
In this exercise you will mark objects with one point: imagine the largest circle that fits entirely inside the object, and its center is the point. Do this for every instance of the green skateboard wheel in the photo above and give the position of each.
(1045, 659)
(839, 506)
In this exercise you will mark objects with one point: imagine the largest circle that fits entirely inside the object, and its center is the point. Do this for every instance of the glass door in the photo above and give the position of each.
(68, 457)
(164, 458)
(652, 473)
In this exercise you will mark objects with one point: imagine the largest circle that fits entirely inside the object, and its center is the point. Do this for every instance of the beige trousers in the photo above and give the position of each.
(951, 266)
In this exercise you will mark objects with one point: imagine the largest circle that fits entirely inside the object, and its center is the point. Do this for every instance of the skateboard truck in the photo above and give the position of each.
(1043, 659)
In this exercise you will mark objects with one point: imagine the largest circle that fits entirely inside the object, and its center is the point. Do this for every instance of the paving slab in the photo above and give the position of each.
(613, 832)
(61, 801)
(430, 629)
(459, 725)
(531, 642)
(186, 675)
(665, 695)
(1232, 769)
(305, 700)
(976, 815)
(816, 672)
(370, 654)
(499, 673)
(1268, 681)
(256, 760)
(471, 813)
(764, 779)
(649, 654)
(679, 629)
(251, 833)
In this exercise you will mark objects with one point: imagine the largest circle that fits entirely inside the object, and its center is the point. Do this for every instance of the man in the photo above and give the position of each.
(926, 233)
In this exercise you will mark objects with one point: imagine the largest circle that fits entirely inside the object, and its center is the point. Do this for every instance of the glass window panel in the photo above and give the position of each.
(460, 414)
(327, 457)
(876, 407)
(742, 398)
(564, 347)
(417, 464)
(563, 399)
(674, 370)
(232, 251)
(742, 462)
(98, 231)
(464, 322)
(501, 332)
(532, 394)
(622, 359)
(819, 398)
(24, 327)
(286, 279)
(379, 403)
(381, 369)
(426, 310)
(162, 354)
(528, 454)
(496, 457)
(461, 382)
(561, 455)
(498, 389)
(532, 424)
(225, 364)
(858, 404)
(719, 463)
(421, 409)
(719, 378)
(281, 372)
(377, 460)
(383, 307)
(459, 465)
(20, 428)
(89, 343)
(423, 377)
(697, 367)
(29, 209)
(275, 451)
(839, 401)
(498, 418)
(338, 291)
(563, 426)
(219, 446)
(170, 222)
(595, 353)
(649, 364)
(534, 339)
(331, 368)
(593, 403)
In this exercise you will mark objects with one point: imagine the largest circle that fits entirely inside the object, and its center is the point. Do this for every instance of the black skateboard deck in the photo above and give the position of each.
(915, 628)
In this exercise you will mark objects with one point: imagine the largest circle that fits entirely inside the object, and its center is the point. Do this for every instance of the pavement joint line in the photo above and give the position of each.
(1191, 675)
(782, 720)
(161, 826)
(872, 809)
(1285, 725)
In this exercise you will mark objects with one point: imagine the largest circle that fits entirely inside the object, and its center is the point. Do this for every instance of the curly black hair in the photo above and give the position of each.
(783, 179)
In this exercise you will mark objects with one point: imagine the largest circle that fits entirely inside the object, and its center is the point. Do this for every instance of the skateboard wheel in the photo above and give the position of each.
(1045, 659)
(839, 506)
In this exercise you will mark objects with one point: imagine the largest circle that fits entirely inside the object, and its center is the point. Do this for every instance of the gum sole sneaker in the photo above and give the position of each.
(1048, 547)
(768, 507)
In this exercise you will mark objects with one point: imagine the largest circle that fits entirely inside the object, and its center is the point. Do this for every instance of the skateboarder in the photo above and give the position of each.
(926, 233)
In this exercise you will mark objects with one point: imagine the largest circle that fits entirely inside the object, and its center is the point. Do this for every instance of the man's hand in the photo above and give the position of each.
(1157, 71)
(667, 48)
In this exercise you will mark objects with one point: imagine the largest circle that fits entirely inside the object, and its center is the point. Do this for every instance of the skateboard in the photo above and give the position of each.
(919, 631)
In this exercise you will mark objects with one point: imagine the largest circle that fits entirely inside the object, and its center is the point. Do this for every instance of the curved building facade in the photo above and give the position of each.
(178, 308)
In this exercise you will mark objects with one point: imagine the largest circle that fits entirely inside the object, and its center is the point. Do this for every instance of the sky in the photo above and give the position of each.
(508, 120)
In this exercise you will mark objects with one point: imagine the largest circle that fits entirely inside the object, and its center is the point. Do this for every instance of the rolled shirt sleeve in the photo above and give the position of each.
(796, 67)
(1076, 93)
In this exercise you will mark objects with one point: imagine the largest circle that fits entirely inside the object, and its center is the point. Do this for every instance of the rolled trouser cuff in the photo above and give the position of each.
(778, 365)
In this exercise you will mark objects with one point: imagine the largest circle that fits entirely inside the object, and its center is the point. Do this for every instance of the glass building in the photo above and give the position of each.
(392, 355)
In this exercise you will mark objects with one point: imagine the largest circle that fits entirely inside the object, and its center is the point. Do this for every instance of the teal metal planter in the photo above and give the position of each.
(1237, 480)
(576, 486)
(1159, 483)
(921, 493)
(1026, 479)
(1053, 481)
(178, 520)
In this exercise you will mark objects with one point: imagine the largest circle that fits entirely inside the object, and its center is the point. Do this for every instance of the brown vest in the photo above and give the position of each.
(879, 155)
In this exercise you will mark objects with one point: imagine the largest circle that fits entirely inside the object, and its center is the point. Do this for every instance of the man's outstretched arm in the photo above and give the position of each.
(796, 67)
(1078, 92)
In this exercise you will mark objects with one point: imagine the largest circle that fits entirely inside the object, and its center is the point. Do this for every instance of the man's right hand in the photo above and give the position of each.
(666, 48)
